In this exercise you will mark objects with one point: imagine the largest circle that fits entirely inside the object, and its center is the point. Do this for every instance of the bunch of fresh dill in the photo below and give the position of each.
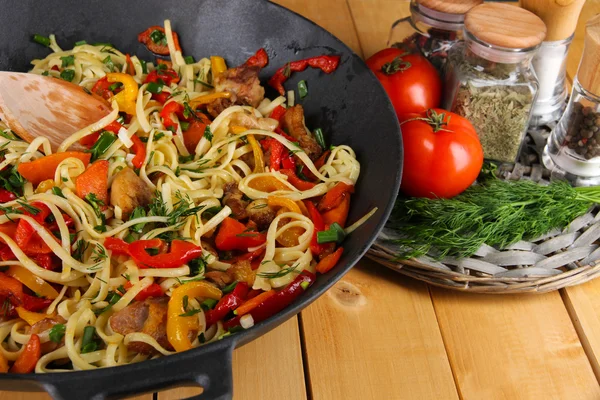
(495, 212)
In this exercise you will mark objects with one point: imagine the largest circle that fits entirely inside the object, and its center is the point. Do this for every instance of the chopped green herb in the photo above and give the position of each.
(138, 212)
(304, 285)
(229, 288)
(80, 43)
(158, 136)
(67, 75)
(103, 44)
(57, 332)
(115, 86)
(208, 134)
(80, 248)
(320, 139)
(109, 63)
(45, 73)
(302, 89)
(144, 66)
(335, 233)
(197, 266)
(189, 59)
(88, 344)
(184, 126)
(158, 37)
(186, 159)
(103, 143)
(67, 60)
(211, 212)
(129, 239)
(208, 304)
(29, 208)
(283, 272)
(154, 87)
(43, 40)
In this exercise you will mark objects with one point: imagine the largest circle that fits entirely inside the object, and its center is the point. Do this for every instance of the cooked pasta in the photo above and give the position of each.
(195, 198)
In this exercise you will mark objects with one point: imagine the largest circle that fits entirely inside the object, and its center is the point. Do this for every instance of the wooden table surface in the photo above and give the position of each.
(378, 335)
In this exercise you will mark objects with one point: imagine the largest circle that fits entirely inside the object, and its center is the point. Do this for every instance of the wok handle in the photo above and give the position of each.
(211, 370)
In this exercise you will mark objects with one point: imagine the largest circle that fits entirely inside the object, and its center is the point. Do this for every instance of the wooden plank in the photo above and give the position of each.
(513, 347)
(333, 15)
(46, 396)
(373, 20)
(590, 8)
(374, 335)
(267, 368)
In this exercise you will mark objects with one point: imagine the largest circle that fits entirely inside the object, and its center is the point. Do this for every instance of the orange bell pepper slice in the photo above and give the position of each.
(334, 196)
(94, 180)
(44, 168)
(27, 360)
(267, 184)
(253, 302)
(3, 364)
(338, 214)
(329, 262)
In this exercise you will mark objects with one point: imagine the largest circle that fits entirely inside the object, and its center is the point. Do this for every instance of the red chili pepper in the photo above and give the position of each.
(260, 59)
(139, 149)
(277, 113)
(117, 246)
(233, 235)
(154, 290)
(6, 196)
(298, 183)
(166, 75)
(317, 220)
(327, 64)
(171, 108)
(228, 303)
(278, 301)
(181, 252)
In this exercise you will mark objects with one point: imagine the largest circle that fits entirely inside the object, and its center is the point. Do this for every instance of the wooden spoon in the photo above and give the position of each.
(34, 105)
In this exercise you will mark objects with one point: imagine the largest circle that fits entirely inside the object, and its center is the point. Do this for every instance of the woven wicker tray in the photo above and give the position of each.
(555, 260)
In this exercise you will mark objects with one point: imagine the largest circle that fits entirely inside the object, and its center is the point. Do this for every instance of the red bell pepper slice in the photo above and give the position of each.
(46, 261)
(26, 237)
(181, 252)
(6, 196)
(130, 67)
(101, 88)
(334, 197)
(298, 183)
(154, 290)
(278, 301)
(116, 246)
(29, 357)
(228, 303)
(139, 149)
(325, 63)
(319, 224)
(277, 113)
(330, 261)
(171, 108)
(89, 140)
(166, 75)
(260, 59)
(12, 289)
(287, 161)
(161, 97)
(276, 151)
(233, 235)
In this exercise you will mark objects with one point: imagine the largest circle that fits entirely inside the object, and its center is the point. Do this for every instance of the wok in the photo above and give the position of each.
(349, 105)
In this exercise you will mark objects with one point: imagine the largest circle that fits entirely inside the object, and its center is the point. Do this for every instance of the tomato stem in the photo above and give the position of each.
(397, 64)
(435, 120)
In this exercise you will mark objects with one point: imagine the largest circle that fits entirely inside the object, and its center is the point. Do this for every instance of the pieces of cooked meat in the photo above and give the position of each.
(252, 122)
(149, 317)
(241, 271)
(260, 212)
(42, 326)
(219, 278)
(293, 123)
(129, 191)
(234, 198)
(243, 84)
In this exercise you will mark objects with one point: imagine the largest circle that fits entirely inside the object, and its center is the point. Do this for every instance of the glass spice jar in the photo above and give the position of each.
(489, 79)
(573, 148)
(431, 29)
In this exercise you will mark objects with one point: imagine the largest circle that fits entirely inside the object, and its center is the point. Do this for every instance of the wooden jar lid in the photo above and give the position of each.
(588, 74)
(450, 6)
(560, 16)
(505, 26)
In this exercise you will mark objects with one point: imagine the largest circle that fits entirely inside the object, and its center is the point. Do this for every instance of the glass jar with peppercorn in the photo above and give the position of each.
(431, 29)
(489, 79)
(573, 148)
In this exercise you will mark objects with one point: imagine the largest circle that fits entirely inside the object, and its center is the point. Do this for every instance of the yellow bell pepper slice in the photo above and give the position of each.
(275, 201)
(35, 283)
(29, 316)
(217, 66)
(128, 96)
(208, 98)
(45, 186)
(237, 129)
(259, 159)
(267, 184)
(179, 327)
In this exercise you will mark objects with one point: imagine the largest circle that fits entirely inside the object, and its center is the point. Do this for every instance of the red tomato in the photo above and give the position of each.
(442, 154)
(410, 80)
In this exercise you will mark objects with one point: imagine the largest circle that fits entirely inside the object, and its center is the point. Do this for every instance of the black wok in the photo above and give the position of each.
(349, 105)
